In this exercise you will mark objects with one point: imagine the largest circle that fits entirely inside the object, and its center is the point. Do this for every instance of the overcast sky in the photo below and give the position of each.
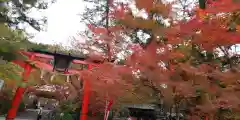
(63, 22)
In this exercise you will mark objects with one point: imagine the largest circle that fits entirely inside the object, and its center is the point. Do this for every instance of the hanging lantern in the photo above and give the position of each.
(61, 62)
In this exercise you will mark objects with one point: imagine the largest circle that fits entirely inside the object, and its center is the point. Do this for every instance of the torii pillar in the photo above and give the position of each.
(20, 91)
(84, 112)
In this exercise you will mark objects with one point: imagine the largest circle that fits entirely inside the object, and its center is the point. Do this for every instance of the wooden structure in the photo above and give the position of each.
(61, 64)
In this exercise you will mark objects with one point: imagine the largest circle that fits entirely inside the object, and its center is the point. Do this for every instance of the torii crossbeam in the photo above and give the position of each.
(61, 64)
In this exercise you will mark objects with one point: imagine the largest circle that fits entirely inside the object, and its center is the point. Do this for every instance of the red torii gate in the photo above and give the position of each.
(59, 59)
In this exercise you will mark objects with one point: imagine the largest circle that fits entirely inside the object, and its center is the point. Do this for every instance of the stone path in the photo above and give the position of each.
(29, 114)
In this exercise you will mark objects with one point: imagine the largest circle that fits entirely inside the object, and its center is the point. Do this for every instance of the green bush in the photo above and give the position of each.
(6, 100)
(21, 107)
(5, 104)
(66, 116)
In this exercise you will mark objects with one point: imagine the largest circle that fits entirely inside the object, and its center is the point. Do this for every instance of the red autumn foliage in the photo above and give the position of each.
(105, 83)
(119, 11)
(222, 6)
(182, 70)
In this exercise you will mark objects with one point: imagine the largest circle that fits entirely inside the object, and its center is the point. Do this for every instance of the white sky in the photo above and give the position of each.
(63, 22)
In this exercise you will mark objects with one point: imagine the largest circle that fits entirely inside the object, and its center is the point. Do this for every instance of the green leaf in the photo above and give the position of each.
(67, 116)
(15, 77)
(22, 84)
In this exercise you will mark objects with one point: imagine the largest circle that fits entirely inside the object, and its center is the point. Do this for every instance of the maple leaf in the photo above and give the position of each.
(147, 5)
(163, 9)
(119, 11)
(97, 30)
(223, 6)
(135, 47)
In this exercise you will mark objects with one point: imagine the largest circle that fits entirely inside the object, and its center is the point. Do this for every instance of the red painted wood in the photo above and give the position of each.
(19, 93)
(84, 112)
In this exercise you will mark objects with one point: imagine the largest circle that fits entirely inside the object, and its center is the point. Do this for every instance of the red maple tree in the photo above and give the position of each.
(190, 58)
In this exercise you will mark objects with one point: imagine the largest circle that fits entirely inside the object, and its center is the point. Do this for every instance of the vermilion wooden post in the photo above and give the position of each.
(84, 112)
(19, 93)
